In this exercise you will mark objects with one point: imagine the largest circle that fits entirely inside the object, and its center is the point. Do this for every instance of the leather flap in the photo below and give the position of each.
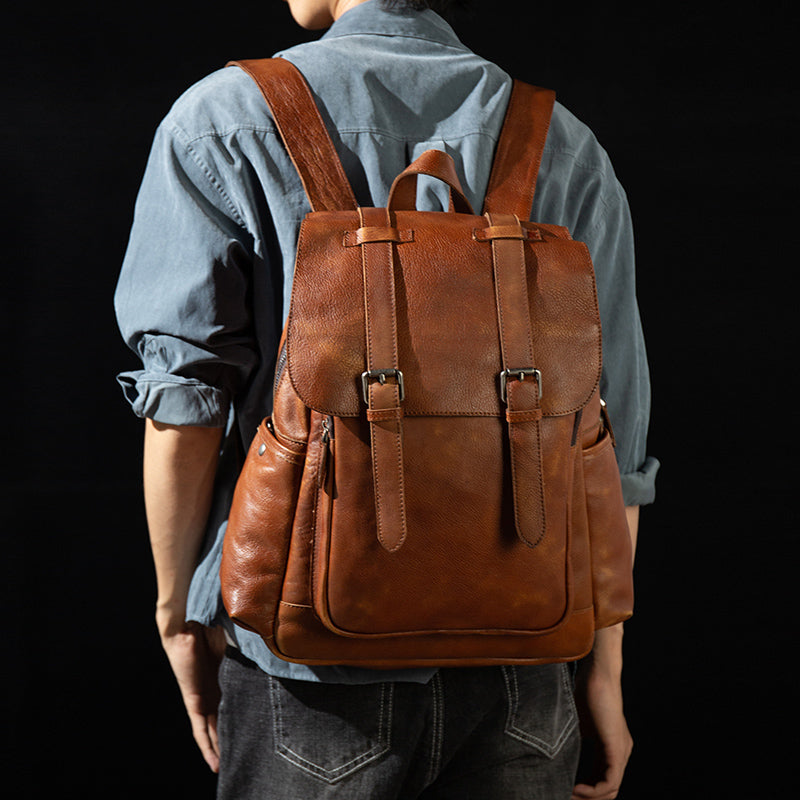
(448, 340)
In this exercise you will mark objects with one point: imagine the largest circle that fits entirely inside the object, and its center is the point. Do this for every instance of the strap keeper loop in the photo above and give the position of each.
(368, 234)
(384, 414)
(534, 415)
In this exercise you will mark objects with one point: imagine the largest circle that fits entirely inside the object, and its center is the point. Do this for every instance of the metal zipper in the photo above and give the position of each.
(279, 368)
(327, 450)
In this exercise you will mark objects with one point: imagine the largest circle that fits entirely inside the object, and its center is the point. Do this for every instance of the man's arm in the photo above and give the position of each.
(180, 463)
(599, 698)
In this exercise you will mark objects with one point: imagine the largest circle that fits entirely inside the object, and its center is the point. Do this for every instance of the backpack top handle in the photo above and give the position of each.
(512, 182)
(437, 164)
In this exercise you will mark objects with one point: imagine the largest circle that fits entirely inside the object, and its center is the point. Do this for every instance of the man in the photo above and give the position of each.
(202, 297)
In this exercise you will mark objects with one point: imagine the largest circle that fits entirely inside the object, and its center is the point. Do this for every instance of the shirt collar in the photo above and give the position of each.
(371, 18)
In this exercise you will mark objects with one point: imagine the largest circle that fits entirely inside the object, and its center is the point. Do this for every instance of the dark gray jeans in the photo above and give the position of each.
(469, 734)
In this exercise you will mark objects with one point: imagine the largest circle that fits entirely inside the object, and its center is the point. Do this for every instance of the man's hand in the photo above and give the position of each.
(179, 468)
(607, 742)
(194, 653)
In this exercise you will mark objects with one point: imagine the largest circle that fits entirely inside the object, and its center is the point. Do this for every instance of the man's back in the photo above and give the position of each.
(389, 85)
(205, 287)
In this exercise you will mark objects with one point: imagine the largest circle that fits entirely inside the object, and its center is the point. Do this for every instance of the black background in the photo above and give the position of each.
(694, 104)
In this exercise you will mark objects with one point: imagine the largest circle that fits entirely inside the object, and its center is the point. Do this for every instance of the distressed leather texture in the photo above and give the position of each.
(436, 484)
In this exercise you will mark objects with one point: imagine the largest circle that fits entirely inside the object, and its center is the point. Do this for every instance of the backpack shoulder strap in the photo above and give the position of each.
(303, 132)
(519, 151)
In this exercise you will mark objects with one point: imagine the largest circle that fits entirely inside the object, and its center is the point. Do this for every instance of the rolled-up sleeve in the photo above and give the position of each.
(182, 296)
(625, 382)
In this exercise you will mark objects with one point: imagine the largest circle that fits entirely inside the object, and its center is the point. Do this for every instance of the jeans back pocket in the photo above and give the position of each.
(331, 730)
(541, 706)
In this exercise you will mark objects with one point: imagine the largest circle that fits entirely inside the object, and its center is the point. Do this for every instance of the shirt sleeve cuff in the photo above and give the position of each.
(639, 488)
(175, 400)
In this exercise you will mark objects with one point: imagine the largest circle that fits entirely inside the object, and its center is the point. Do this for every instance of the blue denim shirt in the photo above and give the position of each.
(205, 284)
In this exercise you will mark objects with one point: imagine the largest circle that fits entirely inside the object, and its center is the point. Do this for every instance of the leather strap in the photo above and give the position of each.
(522, 389)
(512, 182)
(437, 163)
(357, 237)
(303, 132)
(382, 380)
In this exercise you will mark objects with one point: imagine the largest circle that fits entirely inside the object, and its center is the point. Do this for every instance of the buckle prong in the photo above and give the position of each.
(519, 374)
(380, 375)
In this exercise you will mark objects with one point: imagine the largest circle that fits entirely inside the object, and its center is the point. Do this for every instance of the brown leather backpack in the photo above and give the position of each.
(436, 484)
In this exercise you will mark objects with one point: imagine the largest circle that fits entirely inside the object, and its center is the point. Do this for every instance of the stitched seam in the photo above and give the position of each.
(607, 206)
(337, 773)
(210, 177)
(540, 488)
(301, 442)
(437, 728)
(277, 715)
(370, 365)
(459, 47)
(573, 156)
(225, 132)
(376, 487)
(398, 426)
(440, 737)
(379, 504)
(520, 250)
(179, 380)
(288, 459)
(512, 443)
(509, 696)
(385, 726)
(540, 485)
(567, 683)
(316, 559)
(499, 301)
(524, 736)
(442, 136)
(400, 480)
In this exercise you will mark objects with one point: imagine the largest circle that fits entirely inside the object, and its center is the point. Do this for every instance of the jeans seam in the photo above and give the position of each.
(437, 727)
(566, 679)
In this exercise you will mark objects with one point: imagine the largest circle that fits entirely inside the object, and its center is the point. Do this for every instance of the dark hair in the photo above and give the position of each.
(443, 7)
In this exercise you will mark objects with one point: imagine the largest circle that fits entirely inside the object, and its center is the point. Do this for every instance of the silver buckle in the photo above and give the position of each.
(380, 375)
(519, 374)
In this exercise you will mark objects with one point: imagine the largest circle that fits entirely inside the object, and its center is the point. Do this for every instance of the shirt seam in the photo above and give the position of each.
(607, 205)
(600, 169)
(209, 175)
(188, 141)
(176, 380)
(451, 45)
(608, 199)
(443, 137)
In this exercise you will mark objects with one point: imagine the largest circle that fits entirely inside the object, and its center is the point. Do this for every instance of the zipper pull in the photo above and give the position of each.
(327, 447)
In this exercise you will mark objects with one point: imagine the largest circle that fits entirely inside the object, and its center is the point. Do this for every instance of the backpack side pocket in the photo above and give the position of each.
(259, 530)
(612, 556)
